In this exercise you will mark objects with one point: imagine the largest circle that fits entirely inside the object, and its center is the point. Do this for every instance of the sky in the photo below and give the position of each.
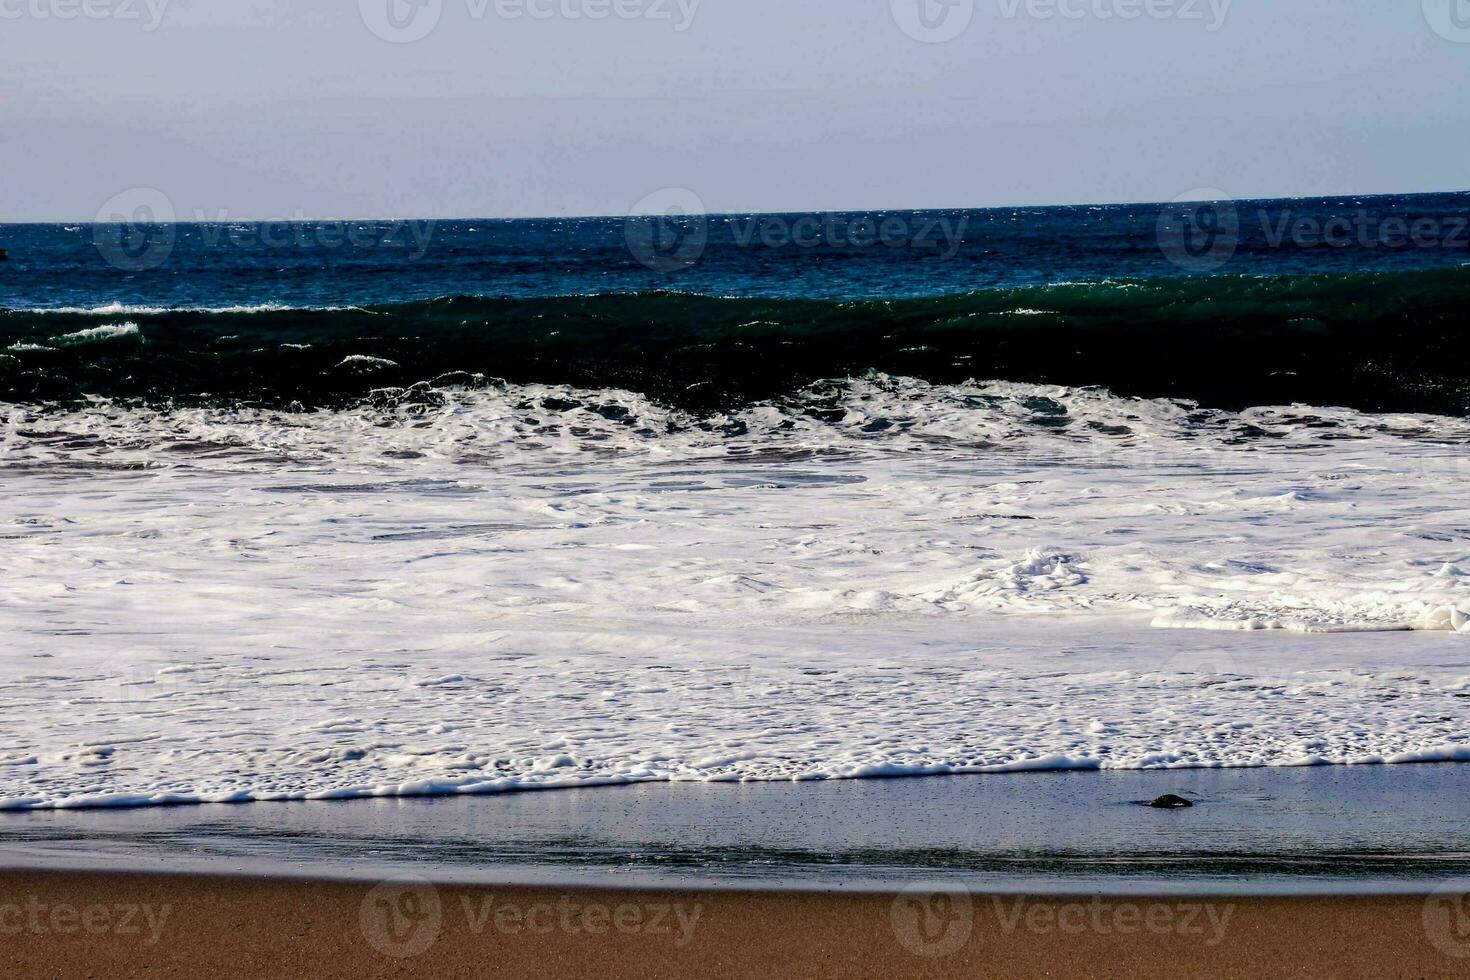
(259, 109)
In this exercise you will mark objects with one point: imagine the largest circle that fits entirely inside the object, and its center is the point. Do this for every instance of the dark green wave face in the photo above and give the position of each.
(1385, 341)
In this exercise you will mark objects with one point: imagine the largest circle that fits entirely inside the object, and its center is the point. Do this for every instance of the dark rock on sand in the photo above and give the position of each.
(1170, 802)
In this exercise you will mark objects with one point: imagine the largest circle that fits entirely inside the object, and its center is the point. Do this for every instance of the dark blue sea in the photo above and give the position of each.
(1355, 301)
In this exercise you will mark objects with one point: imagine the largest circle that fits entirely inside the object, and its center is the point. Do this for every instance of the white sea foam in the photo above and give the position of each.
(531, 586)
(365, 362)
(134, 309)
(92, 335)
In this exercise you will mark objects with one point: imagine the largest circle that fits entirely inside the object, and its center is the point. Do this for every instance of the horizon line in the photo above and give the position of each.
(779, 213)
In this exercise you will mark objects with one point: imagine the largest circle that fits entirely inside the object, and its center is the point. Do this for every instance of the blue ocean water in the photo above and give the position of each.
(848, 255)
(1343, 301)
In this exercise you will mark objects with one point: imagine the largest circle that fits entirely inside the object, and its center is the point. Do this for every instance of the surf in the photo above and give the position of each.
(1374, 341)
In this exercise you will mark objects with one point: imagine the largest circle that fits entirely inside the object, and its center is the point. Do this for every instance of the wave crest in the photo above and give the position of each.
(1372, 341)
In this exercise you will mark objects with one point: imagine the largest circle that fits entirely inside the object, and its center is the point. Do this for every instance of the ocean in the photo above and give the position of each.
(323, 510)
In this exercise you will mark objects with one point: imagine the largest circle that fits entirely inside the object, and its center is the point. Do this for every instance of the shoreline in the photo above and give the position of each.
(1447, 756)
(76, 924)
(1111, 890)
(1326, 830)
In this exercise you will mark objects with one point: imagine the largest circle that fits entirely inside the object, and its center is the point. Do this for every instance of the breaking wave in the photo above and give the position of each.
(1372, 341)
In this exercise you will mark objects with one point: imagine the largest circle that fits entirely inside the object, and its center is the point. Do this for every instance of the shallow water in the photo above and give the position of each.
(1401, 828)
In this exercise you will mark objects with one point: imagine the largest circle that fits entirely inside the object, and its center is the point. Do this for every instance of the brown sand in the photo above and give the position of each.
(113, 925)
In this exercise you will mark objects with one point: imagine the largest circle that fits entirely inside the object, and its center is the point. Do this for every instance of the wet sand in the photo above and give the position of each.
(1332, 830)
(67, 924)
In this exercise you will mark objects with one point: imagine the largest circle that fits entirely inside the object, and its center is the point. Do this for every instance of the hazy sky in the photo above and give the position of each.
(276, 108)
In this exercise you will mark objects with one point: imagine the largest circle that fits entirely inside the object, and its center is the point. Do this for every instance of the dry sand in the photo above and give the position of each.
(59, 924)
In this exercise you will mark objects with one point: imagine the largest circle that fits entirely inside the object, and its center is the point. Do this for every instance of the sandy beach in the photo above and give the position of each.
(122, 925)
